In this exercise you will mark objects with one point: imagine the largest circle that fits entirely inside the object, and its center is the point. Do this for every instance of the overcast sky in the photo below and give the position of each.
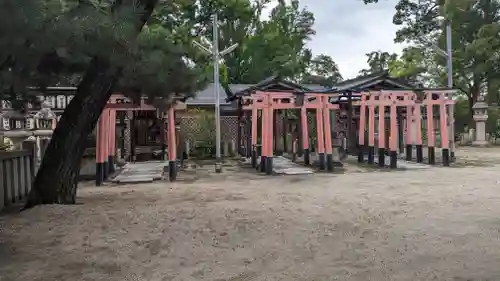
(348, 29)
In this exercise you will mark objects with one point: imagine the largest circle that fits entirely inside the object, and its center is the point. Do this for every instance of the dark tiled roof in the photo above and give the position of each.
(269, 82)
(207, 96)
(362, 82)
(236, 90)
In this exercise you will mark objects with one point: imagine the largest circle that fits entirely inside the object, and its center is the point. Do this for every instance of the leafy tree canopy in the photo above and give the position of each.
(51, 42)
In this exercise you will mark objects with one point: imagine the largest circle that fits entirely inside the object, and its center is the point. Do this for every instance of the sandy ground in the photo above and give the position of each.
(436, 224)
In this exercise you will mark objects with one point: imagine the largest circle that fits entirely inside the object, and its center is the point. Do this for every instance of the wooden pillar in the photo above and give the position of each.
(371, 129)
(105, 147)
(254, 136)
(112, 141)
(133, 136)
(409, 130)
(127, 135)
(350, 138)
(275, 131)
(381, 131)
(431, 138)
(320, 136)
(445, 149)
(122, 135)
(361, 132)
(328, 135)
(248, 132)
(417, 111)
(451, 136)
(400, 141)
(164, 136)
(285, 125)
(172, 146)
(300, 136)
(305, 135)
(265, 136)
(239, 133)
(54, 123)
(271, 137)
(100, 156)
(393, 137)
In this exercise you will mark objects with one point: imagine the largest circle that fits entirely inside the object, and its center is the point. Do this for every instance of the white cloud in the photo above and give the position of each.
(348, 29)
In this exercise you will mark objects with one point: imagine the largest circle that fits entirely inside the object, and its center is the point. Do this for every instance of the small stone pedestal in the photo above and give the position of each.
(480, 109)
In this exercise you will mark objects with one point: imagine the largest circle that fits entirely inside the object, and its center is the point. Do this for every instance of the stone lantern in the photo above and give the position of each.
(45, 119)
(480, 116)
(44, 123)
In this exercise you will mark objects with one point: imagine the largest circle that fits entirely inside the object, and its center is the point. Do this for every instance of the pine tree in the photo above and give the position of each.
(100, 46)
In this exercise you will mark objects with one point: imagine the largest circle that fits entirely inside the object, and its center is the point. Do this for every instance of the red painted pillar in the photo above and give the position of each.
(320, 134)
(172, 146)
(393, 135)
(361, 132)
(445, 149)
(265, 134)
(431, 138)
(409, 129)
(305, 135)
(54, 123)
(270, 143)
(255, 121)
(381, 131)
(105, 145)
(371, 129)
(112, 140)
(417, 112)
(328, 135)
(100, 155)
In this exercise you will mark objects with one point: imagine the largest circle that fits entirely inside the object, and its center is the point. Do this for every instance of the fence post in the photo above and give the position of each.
(2, 185)
(8, 182)
(28, 162)
(16, 172)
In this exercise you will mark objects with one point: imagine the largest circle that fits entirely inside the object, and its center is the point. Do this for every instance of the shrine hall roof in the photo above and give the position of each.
(274, 83)
(364, 82)
(380, 79)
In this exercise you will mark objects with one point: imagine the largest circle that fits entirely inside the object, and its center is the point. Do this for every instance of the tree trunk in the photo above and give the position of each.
(55, 182)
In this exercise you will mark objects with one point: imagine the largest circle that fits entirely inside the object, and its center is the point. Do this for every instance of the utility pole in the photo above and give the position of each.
(448, 54)
(213, 50)
(449, 66)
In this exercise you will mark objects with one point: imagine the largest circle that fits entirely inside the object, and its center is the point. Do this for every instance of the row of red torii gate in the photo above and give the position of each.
(373, 106)
(377, 117)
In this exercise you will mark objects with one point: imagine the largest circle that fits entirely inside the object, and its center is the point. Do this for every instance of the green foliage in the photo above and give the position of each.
(51, 42)
(378, 61)
(322, 70)
(492, 125)
(270, 47)
(275, 46)
(202, 130)
(462, 115)
(410, 65)
(475, 28)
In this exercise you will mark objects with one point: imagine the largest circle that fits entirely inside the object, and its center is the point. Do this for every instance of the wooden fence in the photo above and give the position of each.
(16, 175)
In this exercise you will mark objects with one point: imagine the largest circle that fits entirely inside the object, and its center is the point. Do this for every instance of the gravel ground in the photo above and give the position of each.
(431, 224)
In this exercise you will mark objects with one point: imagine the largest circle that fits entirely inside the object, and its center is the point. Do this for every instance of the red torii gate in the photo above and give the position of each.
(106, 134)
(268, 102)
(413, 104)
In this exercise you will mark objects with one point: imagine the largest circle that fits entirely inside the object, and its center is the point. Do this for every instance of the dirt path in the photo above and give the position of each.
(432, 224)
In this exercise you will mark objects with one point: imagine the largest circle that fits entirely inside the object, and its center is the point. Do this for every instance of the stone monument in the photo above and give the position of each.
(480, 109)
